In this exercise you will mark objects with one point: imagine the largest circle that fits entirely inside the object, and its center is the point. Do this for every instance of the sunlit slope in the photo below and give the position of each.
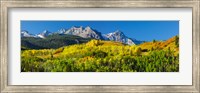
(172, 44)
(104, 56)
(92, 46)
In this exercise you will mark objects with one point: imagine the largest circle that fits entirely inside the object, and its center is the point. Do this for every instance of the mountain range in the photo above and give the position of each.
(85, 32)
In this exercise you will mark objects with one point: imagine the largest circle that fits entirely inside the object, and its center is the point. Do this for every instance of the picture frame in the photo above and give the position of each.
(4, 54)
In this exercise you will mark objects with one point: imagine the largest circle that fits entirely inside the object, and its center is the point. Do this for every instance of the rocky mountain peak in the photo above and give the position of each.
(61, 31)
(118, 31)
(44, 34)
(119, 37)
(25, 33)
(89, 32)
(88, 28)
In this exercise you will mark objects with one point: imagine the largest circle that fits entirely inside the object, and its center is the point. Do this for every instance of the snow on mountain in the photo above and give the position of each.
(44, 34)
(136, 41)
(87, 32)
(119, 37)
(105, 37)
(61, 31)
(25, 33)
(129, 42)
(75, 30)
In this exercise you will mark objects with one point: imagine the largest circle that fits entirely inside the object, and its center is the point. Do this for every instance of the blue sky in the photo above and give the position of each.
(140, 30)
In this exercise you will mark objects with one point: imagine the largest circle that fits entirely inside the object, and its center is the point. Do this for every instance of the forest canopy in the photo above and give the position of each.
(104, 56)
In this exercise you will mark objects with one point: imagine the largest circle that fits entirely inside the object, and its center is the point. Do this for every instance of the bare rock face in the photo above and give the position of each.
(61, 31)
(25, 33)
(119, 37)
(87, 32)
(44, 34)
(84, 32)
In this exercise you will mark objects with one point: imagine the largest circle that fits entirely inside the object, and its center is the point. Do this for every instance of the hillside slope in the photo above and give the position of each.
(52, 41)
(103, 56)
(171, 44)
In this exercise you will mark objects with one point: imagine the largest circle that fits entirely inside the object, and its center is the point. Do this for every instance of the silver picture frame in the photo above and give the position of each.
(4, 55)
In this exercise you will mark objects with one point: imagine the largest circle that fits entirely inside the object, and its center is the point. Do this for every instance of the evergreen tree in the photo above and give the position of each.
(177, 41)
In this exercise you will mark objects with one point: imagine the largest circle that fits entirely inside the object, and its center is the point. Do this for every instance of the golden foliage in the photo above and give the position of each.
(103, 56)
(161, 45)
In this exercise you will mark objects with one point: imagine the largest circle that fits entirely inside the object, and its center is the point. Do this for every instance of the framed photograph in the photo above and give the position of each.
(100, 46)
